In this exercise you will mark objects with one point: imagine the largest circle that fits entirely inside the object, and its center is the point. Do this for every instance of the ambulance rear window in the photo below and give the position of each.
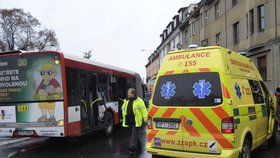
(192, 89)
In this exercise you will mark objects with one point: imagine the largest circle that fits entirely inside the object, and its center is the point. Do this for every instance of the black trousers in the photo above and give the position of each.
(134, 138)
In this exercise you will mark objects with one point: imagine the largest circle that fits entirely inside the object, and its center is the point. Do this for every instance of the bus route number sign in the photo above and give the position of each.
(22, 108)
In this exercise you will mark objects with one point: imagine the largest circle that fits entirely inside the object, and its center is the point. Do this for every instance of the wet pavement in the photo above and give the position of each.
(268, 151)
(6, 141)
(10, 147)
(97, 145)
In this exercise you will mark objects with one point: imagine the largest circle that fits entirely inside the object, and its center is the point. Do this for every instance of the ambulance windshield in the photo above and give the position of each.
(191, 89)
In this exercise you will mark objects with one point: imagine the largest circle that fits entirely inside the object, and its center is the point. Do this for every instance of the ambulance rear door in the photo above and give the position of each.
(166, 113)
(203, 113)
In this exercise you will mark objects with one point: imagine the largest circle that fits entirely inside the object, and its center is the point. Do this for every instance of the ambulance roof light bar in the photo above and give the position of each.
(193, 46)
(243, 53)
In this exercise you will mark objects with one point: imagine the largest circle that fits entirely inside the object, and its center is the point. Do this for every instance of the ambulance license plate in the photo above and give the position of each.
(167, 125)
(25, 133)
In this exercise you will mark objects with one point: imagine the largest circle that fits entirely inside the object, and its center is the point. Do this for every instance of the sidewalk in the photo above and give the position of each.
(5, 141)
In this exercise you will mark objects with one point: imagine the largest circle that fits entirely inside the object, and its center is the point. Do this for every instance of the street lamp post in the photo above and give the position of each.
(146, 50)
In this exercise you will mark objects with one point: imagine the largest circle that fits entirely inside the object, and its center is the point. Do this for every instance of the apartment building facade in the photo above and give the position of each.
(171, 39)
(248, 26)
(152, 68)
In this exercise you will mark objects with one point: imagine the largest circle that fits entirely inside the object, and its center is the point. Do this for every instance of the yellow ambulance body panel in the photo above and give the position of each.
(208, 102)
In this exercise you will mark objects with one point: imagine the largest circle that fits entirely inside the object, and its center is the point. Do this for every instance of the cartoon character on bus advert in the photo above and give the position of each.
(48, 89)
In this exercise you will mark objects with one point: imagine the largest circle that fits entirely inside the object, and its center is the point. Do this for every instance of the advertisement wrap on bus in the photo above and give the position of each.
(31, 95)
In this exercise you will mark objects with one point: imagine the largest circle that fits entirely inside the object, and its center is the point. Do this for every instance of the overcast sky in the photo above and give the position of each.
(116, 30)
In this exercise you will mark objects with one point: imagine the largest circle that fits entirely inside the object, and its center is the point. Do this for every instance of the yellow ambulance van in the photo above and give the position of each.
(208, 102)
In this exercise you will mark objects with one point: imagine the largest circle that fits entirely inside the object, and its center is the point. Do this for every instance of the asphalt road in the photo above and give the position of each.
(97, 145)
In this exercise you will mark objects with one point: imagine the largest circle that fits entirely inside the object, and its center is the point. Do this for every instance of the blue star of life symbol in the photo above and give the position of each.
(238, 91)
(168, 90)
(201, 89)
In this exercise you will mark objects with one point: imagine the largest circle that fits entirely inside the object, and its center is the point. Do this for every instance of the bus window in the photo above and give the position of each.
(83, 86)
(103, 87)
(72, 89)
(92, 87)
(113, 88)
(131, 83)
(122, 88)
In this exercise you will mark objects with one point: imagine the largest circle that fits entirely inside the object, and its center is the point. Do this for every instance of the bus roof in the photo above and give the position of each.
(98, 64)
(77, 62)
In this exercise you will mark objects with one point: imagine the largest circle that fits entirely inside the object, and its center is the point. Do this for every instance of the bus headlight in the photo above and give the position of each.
(61, 122)
(56, 61)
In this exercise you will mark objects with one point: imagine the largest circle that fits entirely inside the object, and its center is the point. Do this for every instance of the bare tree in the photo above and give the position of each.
(46, 38)
(21, 31)
(2, 45)
(88, 54)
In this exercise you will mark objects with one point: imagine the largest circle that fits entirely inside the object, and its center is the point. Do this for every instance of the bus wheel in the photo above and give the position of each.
(246, 149)
(109, 121)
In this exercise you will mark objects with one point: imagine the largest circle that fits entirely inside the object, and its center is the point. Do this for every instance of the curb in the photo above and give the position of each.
(11, 141)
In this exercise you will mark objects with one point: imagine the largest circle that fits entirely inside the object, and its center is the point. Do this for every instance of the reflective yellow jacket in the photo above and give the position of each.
(139, 110)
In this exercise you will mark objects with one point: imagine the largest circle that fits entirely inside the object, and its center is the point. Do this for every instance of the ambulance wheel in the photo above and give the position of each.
(109, 121)
(157, 156)
(246, 149)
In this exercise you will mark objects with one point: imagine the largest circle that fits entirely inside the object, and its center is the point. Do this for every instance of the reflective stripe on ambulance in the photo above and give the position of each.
(204, 120)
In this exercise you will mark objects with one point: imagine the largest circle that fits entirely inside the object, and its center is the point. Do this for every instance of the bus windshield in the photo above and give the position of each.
(30, 77)
(191, 89)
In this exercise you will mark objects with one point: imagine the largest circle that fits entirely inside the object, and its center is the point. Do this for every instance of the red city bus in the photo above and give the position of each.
(57, 95)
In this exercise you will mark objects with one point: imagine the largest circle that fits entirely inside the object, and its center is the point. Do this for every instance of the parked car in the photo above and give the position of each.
(147, 98)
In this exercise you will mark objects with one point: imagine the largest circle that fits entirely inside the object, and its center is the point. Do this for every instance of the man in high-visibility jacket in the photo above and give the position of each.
(134, 113)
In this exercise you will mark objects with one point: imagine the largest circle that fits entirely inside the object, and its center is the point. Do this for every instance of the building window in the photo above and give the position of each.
(218, 42)
(187, 35)
(180, 16)
(187, 15)
(168, 48)
(173, 44)
(217, 10)
(193, 28)
(169, 29)
(206, 17)
(162, 37)
(234, 2)
(179, 38)
(204, 43)
(262, 66)
(251, 21)
(236, 33)
(261, 20)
